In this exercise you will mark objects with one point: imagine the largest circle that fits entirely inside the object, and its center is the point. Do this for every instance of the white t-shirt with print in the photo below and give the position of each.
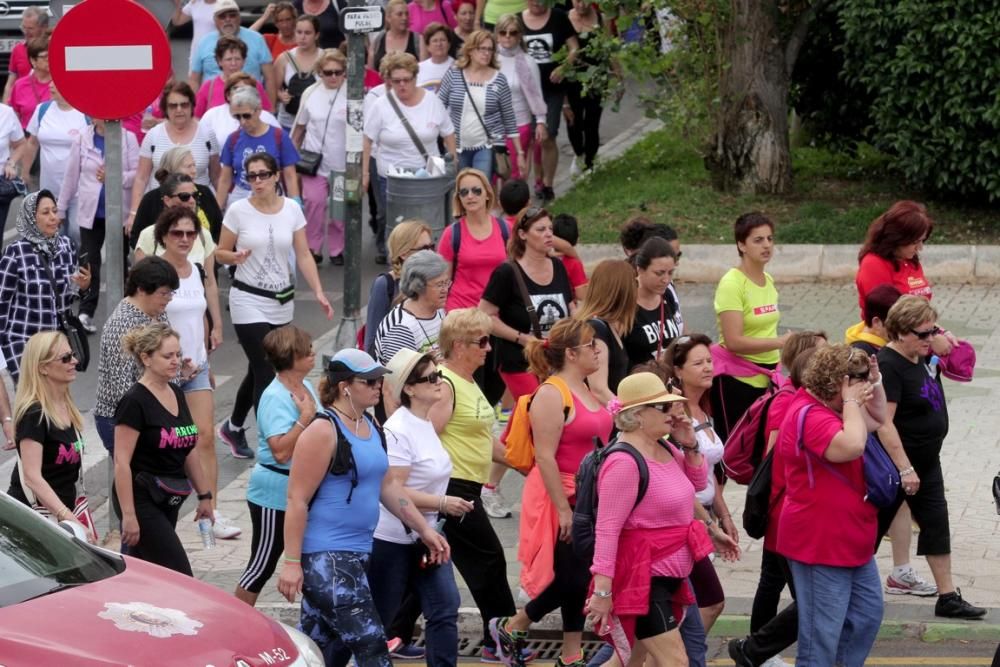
(269, 238)
(55, 137)
(320, 102)
(10, 130)
(429, 120)
(186, 312)
(413, 443)
(430, 74)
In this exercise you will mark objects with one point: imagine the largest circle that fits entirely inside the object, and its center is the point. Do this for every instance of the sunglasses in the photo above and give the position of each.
(475, 189)
(861, 375)
(184, 196)
(371, 382)
(333, 72)
(242, 116)
(662, 407)
(482, 342)
(183, 233)
(66, 358)
(509, 33)
(924, 335)
(592, 344)
(259, 175)
(178, 105)
(429, 246)
(433, 378)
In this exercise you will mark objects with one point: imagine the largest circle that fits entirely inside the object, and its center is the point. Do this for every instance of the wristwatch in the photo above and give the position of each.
(602, 594)
(205, 496)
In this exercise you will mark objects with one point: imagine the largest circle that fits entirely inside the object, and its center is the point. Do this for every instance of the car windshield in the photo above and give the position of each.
(38, 557)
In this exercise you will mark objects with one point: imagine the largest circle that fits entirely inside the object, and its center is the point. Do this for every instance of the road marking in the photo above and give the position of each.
(109, 58)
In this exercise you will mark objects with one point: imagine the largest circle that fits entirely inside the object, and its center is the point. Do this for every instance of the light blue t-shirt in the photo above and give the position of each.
(258, 54)
(276, 415)
(334, 524)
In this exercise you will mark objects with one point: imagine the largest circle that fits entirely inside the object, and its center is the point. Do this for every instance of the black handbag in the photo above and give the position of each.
(996, 491)
(10, 188)
(70, 326)
(309, 161)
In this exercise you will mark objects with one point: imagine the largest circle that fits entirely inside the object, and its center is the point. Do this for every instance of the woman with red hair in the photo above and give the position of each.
(890, 253)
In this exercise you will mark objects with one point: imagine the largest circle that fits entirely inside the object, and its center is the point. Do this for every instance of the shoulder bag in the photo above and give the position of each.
(501, 158)
(529, 305)
(69, 324)
(309, 161)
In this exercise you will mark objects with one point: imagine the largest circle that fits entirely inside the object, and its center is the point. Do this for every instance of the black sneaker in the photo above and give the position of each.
(337, 260)
(237, 441)
(548, 194)
(317, 258)
(951, 605)
(736, 653)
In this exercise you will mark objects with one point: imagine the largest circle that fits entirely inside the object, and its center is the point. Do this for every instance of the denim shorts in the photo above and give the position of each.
(200, 382)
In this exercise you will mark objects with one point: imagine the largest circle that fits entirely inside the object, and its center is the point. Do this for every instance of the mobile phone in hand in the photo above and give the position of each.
(84, 260)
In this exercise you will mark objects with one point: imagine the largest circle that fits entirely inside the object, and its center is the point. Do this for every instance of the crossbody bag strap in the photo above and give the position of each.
(326, 125)
(406, 125)
(475, 108)
(536, 327)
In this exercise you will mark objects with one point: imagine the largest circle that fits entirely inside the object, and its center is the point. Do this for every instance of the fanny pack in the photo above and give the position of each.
(162, 490)
(282, 297)
(280, 471)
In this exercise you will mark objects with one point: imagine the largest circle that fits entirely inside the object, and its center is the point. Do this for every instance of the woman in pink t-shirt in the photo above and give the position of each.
(552, 573)
(826, 528)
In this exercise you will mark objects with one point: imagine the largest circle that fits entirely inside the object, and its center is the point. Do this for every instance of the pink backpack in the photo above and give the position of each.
(746, 442)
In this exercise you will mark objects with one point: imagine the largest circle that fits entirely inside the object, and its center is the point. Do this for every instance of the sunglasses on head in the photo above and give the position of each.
(183, 233)
(475, 189)
(242, 116)
(924, 335)
(259, 175)
(432, 378)
(371, 382)
(482, 342)
(184, 196)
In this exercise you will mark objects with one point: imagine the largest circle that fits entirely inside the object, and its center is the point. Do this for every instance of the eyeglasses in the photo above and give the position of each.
(475, 189)
(429, 246)
(509, 33)
(183, 233)
(592, 344)
(66, 358)
(484, 49)
(259, 175)
(482, 342)
(441, 286)
(178, 105)
(184, 196)
(242, 116)
(433, 378)
(401, 81)
(924, 335)
(333, 72)
(371, 382)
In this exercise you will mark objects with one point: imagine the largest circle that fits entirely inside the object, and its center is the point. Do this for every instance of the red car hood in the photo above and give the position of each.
(145, 616)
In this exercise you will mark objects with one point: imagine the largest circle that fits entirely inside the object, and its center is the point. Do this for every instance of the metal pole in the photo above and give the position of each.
(347, 331)
(114, 242)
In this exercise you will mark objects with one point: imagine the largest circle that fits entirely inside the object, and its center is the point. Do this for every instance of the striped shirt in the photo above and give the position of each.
(498, 114)
(402, 329)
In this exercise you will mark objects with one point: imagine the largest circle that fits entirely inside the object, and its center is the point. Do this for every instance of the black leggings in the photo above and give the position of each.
(259, 372)
(266, 545)
(567, 592)
(158, 541)
(584, 131)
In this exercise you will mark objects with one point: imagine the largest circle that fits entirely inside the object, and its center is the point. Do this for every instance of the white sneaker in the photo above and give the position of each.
(494, 504)
(909, 583)
(574, 169)
(87, 322)
(774, 661)
(224, 528)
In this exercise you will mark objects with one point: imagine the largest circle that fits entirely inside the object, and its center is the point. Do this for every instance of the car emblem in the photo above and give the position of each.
(154, 621)
(4, 9)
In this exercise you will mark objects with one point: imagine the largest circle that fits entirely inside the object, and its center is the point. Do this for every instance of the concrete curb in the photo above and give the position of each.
(812, 262)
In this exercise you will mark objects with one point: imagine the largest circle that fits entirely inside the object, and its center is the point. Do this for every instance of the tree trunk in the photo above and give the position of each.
(750, 152)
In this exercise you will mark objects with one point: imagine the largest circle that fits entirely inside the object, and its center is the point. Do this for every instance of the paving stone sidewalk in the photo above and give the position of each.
(970, 458)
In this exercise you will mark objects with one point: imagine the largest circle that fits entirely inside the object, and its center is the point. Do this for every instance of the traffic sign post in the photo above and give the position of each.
(357, 19)
(110, 59)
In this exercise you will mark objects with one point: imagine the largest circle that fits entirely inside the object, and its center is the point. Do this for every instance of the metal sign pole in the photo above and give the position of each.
(347, 331)
(114, 242)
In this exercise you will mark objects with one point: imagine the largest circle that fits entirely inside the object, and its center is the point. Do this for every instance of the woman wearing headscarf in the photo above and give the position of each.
(39, 277)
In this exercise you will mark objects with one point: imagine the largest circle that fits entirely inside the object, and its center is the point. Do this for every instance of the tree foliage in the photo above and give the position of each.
(933, 70)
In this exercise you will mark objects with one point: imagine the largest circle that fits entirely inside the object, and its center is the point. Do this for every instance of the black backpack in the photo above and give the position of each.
(297, 85)
(585, 512)
(343, 462)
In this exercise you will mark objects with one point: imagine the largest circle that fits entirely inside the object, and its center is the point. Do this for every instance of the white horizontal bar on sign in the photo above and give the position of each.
(109, 58)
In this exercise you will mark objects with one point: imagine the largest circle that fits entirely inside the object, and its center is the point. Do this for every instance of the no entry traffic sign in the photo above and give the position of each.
(109, 58)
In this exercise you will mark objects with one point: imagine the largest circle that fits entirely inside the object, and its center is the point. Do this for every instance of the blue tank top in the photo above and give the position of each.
(334, 524)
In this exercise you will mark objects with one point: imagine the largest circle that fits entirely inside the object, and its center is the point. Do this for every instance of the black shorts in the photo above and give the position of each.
(660, 618)
(706, 584)
(266, 546)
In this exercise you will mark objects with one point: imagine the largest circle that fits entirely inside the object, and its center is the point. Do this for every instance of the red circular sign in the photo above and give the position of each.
(109, 58)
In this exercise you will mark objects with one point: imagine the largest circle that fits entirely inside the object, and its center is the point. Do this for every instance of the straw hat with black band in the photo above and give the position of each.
(644, 389)
(401, 367)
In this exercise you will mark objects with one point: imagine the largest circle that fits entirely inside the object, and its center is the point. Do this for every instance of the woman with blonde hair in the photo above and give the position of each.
(155, 464)
(610, 311)
(478, 99)
(525, 83)
(552, 572)
(407, 237)
(48, 427)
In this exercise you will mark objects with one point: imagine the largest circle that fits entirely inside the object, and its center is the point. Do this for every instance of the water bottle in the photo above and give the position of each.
(205, 530)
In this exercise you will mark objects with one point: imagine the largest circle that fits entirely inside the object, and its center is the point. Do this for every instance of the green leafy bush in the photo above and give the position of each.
(933, 70)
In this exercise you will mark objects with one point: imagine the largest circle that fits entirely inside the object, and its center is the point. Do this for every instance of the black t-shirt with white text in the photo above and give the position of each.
(164, 439)
(921, 411)
(61, 455)
(551, 305)
(544, 43)
(648, 335)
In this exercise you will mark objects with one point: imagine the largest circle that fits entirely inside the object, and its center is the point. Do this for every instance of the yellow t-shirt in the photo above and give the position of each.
(759, 306)
(468, 437)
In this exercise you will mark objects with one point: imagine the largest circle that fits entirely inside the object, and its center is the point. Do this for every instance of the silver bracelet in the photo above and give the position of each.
(906, 471)
(601, 594)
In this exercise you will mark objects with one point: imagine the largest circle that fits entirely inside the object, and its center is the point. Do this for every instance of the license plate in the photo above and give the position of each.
(7, 45)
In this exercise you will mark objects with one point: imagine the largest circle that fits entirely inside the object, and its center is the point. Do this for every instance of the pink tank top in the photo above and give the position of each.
(578, 435)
